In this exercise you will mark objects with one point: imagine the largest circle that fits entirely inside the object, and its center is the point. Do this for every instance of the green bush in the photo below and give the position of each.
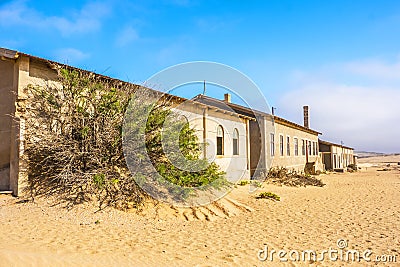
(268, 195)
(193, 171)
(243, 182)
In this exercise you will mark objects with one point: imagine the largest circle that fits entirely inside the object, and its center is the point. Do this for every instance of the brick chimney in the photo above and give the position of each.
(306, 118)
(227, 98)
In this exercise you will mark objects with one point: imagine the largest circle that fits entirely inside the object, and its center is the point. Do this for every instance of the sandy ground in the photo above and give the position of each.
(362, 208)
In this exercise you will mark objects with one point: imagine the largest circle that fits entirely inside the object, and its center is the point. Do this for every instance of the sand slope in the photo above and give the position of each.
(363, 208)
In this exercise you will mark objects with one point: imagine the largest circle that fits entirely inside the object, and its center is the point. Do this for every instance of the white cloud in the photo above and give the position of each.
(364, 115)
(85, 20)
(17, 13)
(127, 36)
(374, 68)
(70, 55)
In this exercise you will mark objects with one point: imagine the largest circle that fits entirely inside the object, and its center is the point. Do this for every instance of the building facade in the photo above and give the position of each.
(274, 141)
(244, 142)
(335, 156)
(224, 134)
(294, 146)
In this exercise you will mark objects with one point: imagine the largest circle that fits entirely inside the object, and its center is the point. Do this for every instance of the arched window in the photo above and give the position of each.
(183, 119)
(235, 142)
(220, 140)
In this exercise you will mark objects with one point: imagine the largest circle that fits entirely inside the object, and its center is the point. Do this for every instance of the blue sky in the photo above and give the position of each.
(342, 58)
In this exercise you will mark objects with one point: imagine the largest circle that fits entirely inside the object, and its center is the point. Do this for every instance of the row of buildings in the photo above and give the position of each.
(244, 142)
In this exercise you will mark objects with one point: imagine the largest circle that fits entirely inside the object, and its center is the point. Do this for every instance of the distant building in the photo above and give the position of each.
(335, 156)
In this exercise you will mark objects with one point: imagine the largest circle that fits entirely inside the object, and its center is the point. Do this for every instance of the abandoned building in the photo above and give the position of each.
(335, 156)
(285, 144)
(242, 141)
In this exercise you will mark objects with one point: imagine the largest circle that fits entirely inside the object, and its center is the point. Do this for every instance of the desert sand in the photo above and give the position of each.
(362, 208)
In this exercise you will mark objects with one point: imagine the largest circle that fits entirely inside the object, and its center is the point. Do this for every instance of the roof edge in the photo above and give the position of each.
(334, 144)
(51, 62)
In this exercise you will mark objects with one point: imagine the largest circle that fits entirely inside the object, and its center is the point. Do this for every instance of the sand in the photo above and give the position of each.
(363, 208)
(380, 160)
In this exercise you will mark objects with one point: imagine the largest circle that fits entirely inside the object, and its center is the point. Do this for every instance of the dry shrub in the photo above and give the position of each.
(283, 176)
(73, 140)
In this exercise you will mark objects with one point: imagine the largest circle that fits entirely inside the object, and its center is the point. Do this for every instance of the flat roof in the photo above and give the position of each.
(333, 144)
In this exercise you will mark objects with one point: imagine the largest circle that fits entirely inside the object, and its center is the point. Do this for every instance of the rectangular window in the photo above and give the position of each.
(272, 144)
(334, 161)
(220, 140)
(235, 142)
(220, 146)
(288, 145)
(312, 148)
(303, 147)
(309, 148)
(281, 144)
(296, 147)
(315, 148)
(235, 147)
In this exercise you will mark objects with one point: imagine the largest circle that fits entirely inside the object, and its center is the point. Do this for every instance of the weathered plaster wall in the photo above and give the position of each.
(255, 147)
(292, 161)
(27, 71)
(341, 156)
(336, 156)
(236, 166)
(6, 111)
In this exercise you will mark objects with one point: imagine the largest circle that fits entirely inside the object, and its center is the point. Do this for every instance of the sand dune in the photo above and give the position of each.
(362, 208)
(393, 159)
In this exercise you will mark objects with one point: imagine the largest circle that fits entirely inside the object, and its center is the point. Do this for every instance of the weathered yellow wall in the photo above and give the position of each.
(6, 110)
(27, 71)
(344, 157)
(291, 162)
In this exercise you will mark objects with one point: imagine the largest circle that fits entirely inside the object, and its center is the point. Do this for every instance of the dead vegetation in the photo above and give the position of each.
(73, 141)
(283, 176)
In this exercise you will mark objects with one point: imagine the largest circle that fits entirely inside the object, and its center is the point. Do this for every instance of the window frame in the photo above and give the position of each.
(235, 145)
(272, 144)
(220, 141)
